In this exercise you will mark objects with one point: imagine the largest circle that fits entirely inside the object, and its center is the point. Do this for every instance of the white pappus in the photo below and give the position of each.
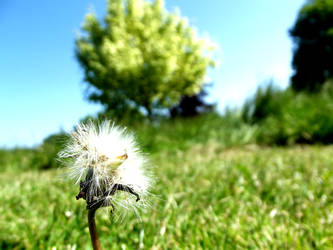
(108, 158)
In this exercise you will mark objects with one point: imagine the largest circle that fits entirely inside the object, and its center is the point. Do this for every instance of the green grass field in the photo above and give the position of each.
(206, 196)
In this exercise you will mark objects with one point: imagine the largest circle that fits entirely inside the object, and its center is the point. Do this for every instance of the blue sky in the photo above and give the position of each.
(41, 88)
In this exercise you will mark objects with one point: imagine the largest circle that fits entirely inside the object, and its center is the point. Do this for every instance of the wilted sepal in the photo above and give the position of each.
(98, 198)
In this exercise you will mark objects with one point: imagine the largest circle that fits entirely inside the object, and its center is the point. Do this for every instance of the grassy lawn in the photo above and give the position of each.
(205, 197)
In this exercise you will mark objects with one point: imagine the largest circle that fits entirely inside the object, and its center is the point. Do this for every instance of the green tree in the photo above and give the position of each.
(141, 57)
(313, 38)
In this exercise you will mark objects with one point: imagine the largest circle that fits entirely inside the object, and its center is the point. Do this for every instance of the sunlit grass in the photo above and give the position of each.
(206, 197)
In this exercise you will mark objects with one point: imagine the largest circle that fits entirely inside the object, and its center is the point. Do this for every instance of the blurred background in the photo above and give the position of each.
(245, 86)
(42, 84)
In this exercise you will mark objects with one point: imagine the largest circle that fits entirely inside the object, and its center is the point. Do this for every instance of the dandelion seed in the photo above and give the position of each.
(162, 231)
(273, 213)
(68, 214)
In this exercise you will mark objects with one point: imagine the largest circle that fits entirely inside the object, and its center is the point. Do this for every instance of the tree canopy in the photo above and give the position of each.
(141, 57)
(313, 38)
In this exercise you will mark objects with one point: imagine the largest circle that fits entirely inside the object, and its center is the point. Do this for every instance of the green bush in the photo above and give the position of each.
(46, 154)
(41, 157)
(16, 158)
(285, 117)
(182, 133)
(267, 100)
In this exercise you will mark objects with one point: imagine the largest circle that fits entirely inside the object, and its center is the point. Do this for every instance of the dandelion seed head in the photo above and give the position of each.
(113, 155)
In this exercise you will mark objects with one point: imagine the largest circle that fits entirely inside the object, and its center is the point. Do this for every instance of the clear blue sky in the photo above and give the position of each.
(41, 89)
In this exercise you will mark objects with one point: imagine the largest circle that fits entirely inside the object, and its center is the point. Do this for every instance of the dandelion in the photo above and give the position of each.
(105, 159)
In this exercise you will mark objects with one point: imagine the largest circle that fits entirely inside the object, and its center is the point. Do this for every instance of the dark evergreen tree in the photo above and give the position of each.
(313, 39)
(192, 105)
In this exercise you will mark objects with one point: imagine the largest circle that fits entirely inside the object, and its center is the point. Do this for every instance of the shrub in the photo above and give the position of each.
(285, 117)
(46, 154)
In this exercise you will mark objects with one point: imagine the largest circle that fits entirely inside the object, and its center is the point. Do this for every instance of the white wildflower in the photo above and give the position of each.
(108, 157)
(68, 214)
(273, 213)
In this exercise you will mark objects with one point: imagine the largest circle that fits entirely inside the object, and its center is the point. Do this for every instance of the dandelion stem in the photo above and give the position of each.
(93, 230)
